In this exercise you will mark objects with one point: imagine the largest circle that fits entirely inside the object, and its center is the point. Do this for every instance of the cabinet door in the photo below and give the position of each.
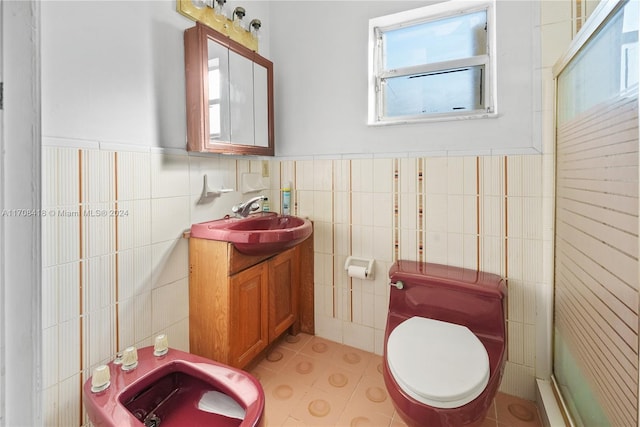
(219, 92)
(261, 104)
(249, 302)
(283, 296)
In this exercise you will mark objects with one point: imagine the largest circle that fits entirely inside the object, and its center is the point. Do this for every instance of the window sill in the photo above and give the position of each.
(434, 119)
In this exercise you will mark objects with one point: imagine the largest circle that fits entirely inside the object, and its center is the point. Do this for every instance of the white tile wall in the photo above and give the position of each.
(170, 262)
(98, 183)
(114, 261)
(111, 282)
(98, 229)
(169, 175)
(169, 217)
(134, 226)
(69, 399)
(170, 305)
(134, 176)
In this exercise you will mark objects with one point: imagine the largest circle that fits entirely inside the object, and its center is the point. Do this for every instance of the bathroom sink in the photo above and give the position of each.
(259, 234)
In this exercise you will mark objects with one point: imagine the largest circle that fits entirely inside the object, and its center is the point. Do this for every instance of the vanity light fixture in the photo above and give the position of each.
(213, 13)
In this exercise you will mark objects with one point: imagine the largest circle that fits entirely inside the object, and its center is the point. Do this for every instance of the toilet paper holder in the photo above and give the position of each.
(357, 265)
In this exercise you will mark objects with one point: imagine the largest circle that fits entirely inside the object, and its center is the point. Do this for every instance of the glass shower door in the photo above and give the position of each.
(596, 241)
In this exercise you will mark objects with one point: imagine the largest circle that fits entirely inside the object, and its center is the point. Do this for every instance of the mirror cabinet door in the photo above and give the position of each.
(229, 95)
(261, 104)
(241, 99)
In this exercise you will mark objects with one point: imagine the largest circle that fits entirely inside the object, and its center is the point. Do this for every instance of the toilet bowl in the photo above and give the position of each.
(174, 389)
(445, 343)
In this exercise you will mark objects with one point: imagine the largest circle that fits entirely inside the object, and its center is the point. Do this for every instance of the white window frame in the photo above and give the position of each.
(434, 12)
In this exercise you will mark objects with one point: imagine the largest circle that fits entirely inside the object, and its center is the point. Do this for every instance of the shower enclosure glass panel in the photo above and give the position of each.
(596, 265)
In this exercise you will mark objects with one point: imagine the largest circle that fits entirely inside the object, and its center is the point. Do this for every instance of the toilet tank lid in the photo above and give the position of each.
(492, 285)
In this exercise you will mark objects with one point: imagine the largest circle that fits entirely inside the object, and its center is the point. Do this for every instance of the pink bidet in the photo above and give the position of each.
(177, 389)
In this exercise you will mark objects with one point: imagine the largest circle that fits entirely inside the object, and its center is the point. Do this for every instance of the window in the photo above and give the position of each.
(432, 63)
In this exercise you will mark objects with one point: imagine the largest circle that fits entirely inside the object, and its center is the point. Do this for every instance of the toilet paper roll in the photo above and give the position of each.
(357, 272)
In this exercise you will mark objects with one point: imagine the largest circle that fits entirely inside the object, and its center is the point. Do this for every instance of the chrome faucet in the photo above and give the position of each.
(243, 210)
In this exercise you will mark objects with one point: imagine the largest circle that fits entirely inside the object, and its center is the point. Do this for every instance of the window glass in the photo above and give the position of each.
(435, 41)
(584, 83)
(434, 93)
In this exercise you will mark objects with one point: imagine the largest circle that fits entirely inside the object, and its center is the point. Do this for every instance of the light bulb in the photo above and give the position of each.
(238, 15)
(255, 26)
(220, 9)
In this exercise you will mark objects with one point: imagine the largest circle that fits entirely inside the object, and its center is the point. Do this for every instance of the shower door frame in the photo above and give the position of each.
(605, 10)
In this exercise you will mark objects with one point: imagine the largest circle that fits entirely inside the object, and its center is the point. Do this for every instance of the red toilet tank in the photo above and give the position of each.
(466, 297)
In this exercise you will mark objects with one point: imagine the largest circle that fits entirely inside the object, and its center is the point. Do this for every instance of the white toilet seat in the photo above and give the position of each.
(440, 364)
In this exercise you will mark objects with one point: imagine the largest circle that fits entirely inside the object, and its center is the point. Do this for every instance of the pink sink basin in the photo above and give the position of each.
(258, 234)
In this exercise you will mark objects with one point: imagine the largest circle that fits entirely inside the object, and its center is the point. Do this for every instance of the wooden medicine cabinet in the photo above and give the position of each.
(229, 95)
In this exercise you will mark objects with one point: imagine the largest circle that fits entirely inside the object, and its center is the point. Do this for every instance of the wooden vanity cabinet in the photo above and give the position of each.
(238, 304)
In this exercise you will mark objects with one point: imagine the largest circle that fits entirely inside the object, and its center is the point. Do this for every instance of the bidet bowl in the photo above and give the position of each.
(170, 389)
(258, 234)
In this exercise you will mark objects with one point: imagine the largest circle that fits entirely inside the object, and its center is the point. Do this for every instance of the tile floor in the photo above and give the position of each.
(310, 381)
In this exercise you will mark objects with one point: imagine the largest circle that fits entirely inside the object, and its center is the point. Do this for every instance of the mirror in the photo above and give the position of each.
(229, 95)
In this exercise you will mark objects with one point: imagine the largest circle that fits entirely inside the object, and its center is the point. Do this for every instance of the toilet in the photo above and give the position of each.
(445, 343)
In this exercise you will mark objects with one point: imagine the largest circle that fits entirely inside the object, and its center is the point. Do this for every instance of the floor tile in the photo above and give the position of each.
(296, 342)
(281, 395)
(304, 369)
(352, 417)
(515, 412)
(371, 396)
(319, 347)
(351, 359)
(319, 408)
(311, 381)
(277, 358)
(338, 381)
